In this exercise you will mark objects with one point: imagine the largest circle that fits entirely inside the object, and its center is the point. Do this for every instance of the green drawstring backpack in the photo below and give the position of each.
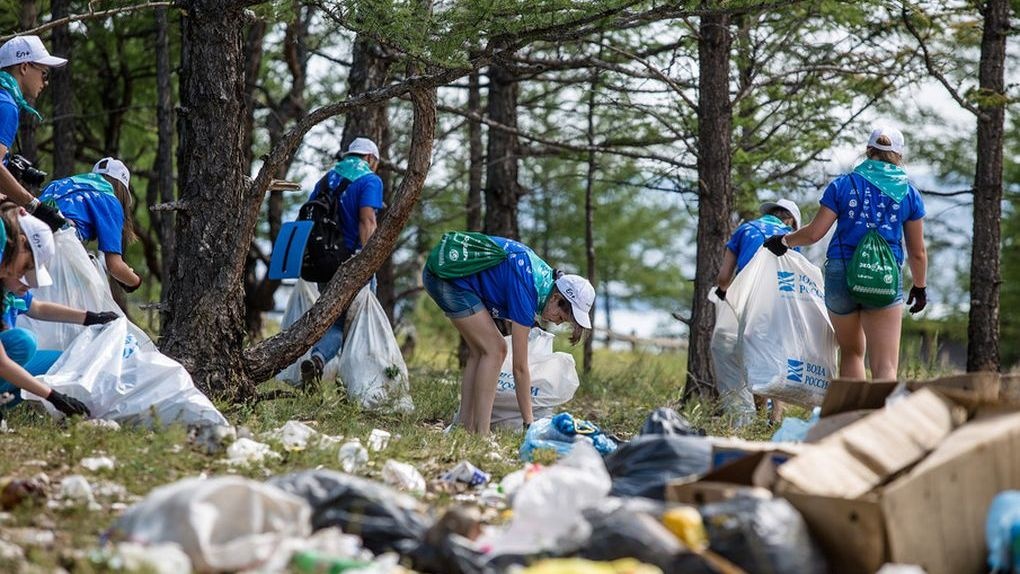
(462, 253)
(873, 276)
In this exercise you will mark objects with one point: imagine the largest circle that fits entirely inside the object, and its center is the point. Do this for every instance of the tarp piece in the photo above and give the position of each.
(118, 379)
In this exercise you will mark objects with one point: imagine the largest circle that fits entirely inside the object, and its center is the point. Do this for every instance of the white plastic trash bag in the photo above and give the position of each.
(80, 283)
(787, 341)
(302, 297)
(117, 379)
(730, 377)
(226, 523)
(554, 381)
(371, 366)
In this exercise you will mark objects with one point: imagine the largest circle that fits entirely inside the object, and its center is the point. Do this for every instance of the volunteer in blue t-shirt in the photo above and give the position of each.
(520, 288)
(360, 192)
(24, 71)
(876, 195)
(778, 217)
(27, 251)
(98, 204)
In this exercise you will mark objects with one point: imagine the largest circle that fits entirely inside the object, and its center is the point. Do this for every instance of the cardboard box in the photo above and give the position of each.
(853, 395)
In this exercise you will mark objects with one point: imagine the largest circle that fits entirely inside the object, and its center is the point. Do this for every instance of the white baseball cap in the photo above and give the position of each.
(894, 135)
(21, 49)
(114, 168)
(363, 146)
(40, 239)
(783, 204)
(581, 295)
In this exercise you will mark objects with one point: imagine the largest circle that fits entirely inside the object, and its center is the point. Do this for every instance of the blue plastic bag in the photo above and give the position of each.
(1002, 532)
(560, 433)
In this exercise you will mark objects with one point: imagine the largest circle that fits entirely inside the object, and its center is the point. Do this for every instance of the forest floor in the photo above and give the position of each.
(624, 388)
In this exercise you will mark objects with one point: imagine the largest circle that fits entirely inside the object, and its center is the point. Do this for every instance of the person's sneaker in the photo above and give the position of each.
(311, 373)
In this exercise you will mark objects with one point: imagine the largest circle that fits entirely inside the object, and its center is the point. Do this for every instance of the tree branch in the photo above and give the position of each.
(935, 73)
(90, 16)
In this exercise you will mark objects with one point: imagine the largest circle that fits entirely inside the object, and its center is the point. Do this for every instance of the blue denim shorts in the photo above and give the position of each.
(457, 303)
(837, 294)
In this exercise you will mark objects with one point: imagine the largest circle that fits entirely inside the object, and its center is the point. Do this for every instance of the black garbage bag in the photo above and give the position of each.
(643, 466)
(765, 535)
(666, 421)
(386, 520)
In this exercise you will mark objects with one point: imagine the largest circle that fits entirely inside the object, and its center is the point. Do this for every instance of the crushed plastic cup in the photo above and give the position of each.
(295, 435)
(403, 476)
(378, 439)
(352, 456)
(97, 463)
(75, 489)
(467, 473)
(246, 451)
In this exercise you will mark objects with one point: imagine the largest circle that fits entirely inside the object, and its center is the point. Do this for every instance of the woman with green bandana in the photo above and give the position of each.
(24, 72)
(876, 196)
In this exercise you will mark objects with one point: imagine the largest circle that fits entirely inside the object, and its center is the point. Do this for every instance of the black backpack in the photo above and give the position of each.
(326, 249)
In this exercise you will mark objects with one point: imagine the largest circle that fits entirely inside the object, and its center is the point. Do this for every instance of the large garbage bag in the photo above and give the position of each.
(666, 421)
(371, 366)
(118, 379)
(1001, 532)
(764, 535)
(644, 466)
(80, 283)
(302, 297)
(622, 533)
(225, 523)
(560, 433)
(385, 519)
(554, 381)
(727, 357)
(787, 341)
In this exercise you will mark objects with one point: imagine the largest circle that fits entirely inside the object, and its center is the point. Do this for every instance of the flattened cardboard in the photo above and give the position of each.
(971, 389)
(830, 424)
(851, 532)
(853, 395)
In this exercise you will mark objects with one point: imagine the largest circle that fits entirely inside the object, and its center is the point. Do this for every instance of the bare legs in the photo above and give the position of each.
(875, 331)
(486, 352)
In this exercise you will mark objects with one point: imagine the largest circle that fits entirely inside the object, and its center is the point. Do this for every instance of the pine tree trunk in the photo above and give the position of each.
(164, 167)
(589, 213)
(60, 89)
(476, 165)
(26, 144)
(985, 277)
(715, 197)
(502, 192)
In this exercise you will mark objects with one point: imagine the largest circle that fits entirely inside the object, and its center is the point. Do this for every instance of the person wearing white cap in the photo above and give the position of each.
(876, 196)
(28, 250)
(24, 71)
(98, 204)
(777, 217)
(354, 184)
(513, 284)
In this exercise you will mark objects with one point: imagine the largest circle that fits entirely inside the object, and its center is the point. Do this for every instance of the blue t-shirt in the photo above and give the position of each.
(750, 236)
(365, 191)
(517, 288)
(89, 202)
(8, 121)
(864, 208)
(11, 313)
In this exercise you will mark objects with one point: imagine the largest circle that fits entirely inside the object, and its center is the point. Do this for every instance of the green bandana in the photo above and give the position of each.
(890, 179)
(7, 82)
(352, 167)
(12, 301)
(94, 180)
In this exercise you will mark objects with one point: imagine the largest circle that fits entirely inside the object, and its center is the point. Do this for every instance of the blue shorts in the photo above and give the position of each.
(457, 303)
(837, 294)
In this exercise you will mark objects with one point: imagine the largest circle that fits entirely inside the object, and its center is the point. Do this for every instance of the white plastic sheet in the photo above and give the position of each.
(109, 370)
(731, 379)
(302, 297)
(371, 366)
(80, 283)
(226, 523)
(787, 341)
(554, 381)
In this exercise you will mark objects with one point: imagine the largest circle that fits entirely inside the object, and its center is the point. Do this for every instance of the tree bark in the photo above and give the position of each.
(985, 276)
(473, 205)
(502, 192)
(164, 168)
(26, 141)
(204, 314)
(715, 197)
(589, 212)
(61, 91)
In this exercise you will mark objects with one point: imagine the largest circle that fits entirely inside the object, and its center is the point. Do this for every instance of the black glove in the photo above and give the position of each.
(100, 318)
(919, 297)
(720, 293)
(50, 216)
(128, 288)
(70, 406)
(775, 245)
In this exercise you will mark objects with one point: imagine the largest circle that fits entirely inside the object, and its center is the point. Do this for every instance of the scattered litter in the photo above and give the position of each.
(246, 451)
(104, 424)
(378, 439)
(560, 433)
(666, 421)
(686, 524)
(110, 491)
(163, 558)
(467, 473)
(294, 435)
(10, 551)
(75, 489)
(403, 476)
(581, 566)
(14, 491)
(794, 429)
(352, 456)
(212, 439)
(223, 523)
(98, 463)
(30, 536)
